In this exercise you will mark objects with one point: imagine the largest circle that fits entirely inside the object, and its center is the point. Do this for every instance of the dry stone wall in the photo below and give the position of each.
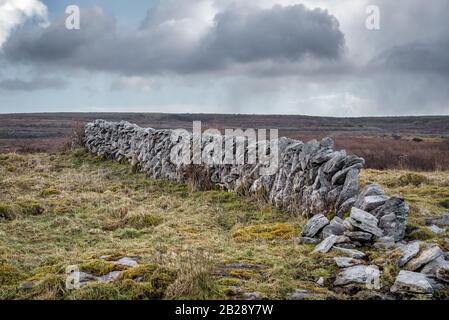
(312, 178)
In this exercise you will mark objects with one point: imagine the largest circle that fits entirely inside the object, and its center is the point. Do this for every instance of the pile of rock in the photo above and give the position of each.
(374, 220)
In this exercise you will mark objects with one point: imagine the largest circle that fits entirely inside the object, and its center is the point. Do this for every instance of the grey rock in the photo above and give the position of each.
(358, 275)
(342, 239)
(437, 230)
(251, 295)
(301, 294)
(365, 221)
(320, 282)
(408, 252)
(430, 253)
(384, 243)
(369, 190)
(442, 221)
(335, 227)
(412, 282)
(434, 266)
(392, 217)
(359, 236)
(325, 245)
(314, 225)
(350, 187)
(126, 262)
(356, 254)
(344, 262)
(345, 206)
(370, 203)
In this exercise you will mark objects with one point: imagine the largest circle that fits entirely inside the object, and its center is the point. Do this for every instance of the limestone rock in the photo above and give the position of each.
(392, 217)
(307, 240)
(314, 225)
(442, 221)
(325, 245)
(365, 221)
(408, 252)
(411, 282)
(335, 227)
(358, 275)
(435, 229)
(430, 253)
(356, 254)
(359, 236)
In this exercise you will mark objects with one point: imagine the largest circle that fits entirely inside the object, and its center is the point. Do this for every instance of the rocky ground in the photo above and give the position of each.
(138, 238)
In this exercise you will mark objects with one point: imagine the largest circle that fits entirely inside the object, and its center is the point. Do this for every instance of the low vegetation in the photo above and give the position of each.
(72, 208)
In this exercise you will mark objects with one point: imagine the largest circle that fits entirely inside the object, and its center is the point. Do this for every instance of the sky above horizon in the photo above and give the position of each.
(311, 57)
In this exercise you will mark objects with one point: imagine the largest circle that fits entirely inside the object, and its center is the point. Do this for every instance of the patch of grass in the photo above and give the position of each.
(411, 178)
(49, 192)
(141, 219)
(9, 275)
(97, 267)
(272, 231)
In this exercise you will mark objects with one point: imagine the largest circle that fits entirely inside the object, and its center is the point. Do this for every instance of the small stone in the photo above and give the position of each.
(433, 266)
(437, 230)
(126, 262)
(429, 254)
(344, 262)
(411, 282)
(442, 221)
(365, 221)
(307, 240)
(360, 274)
(342, 239)
(370, 203)
(325, 245)
(356, 254)
(385, 243)
(408, 252)
(251, 295)
(27, 285)
(320, 282)
(314, 225)
(359, 236)
(335, 227)
(300, 294)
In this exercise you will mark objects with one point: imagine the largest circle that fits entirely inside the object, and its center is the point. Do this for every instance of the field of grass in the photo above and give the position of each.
(72, 208)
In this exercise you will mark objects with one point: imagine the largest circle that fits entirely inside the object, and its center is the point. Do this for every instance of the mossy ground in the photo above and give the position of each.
(71, 208)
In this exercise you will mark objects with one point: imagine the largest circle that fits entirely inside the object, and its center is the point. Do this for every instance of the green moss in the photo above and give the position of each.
(265, 231)
(145, 271)
(9, 275)
(389, 273)
(98, 267)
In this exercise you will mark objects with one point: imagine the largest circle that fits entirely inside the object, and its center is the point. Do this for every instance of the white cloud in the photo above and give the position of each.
(14, 13)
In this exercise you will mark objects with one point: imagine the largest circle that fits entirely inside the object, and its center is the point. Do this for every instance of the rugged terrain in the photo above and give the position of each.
(71, 208)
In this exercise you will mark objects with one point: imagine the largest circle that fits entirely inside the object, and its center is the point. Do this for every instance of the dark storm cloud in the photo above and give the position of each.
(279, 34)
(32, 85)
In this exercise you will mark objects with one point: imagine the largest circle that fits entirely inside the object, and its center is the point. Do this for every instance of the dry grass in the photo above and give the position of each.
(184, 239)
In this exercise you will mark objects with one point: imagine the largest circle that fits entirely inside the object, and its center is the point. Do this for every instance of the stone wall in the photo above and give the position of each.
(312, 178)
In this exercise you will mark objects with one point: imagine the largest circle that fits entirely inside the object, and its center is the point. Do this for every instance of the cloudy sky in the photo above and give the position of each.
(313, 57)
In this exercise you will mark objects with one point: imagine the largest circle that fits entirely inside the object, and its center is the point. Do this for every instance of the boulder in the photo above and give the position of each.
(392, 217)
(314, 225)
(408, 252)
(370, 203)
(359, 236)
(335, 227)
(434, 266)
(360, 274)
(412, 282)
(384, 243)
(365, 221)
(430, 253)
(325, 245)
(350, 252)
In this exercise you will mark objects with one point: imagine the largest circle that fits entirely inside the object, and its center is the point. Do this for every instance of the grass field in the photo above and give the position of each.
(72, 208)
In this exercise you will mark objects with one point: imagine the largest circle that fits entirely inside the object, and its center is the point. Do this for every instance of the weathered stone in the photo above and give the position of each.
(435, 229)
(411, 282)
(430, 253)
(359, 275)
(320, 281)
(350, 252)
(364, 221)
(392, 217)
(335, 227)
(442, 221)
(325, 245)
(433, 266)
(369, 190)
(384, 243)
(359, 236)
(350, 187)
(344, 262)
(345, 207)
(408, 252)
(126, 262)
(314, 225)
(370, 203)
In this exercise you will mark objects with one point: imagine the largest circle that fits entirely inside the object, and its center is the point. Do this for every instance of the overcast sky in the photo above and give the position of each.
(312, 57)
